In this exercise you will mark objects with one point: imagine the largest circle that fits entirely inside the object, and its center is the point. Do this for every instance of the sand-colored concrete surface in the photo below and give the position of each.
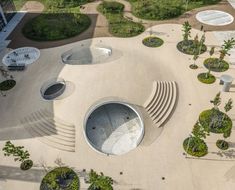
(128, 78)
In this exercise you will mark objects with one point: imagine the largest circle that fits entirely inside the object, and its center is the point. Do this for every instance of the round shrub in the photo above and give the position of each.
(222, 144)
(7, 85)
(216, 121)
(214, 64)
(60, 178)
(188, 47)
(152, 41)
(112, 7)
(56, 26)
(206, 78)
(195, 146)
(26, 165)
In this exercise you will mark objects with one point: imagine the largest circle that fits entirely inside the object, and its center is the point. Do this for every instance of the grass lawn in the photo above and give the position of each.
(165, 9)
(118, 25)
(19, 4)
(206, 78)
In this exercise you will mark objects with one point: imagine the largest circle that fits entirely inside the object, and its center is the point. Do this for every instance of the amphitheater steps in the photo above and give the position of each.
(161, 101)
(50, 130)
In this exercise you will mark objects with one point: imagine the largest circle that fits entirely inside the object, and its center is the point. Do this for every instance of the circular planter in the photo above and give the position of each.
(188, 47)
(152, 41)
(222, 144)
(7, 85)
(206, 78)
(60, 178)
(113, 128)
(26, 165)
(195, 146)
(193, 66)
(53, 89)
(214, 65)
(223, 125)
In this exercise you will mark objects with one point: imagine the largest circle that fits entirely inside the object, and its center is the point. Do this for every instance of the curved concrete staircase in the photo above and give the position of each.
(161, 101)
(50, 130)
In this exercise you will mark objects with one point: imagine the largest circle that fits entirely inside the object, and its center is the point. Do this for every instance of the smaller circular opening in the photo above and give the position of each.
(52, 90)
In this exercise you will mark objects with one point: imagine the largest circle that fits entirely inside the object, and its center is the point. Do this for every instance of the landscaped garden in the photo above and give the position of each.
(165, 9)
(210, 121)
(118, 25)
(56, 26)
(60, 20)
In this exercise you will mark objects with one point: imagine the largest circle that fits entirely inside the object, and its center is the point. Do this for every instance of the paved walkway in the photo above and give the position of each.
(129, 77)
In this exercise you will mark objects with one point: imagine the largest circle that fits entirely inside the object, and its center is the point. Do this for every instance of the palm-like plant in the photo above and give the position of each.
(186, 31)
(216, 101)
(225, 48)
(211, 52)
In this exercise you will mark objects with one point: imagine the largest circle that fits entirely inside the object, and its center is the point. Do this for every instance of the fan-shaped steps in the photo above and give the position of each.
(50, 130)
(161, 101)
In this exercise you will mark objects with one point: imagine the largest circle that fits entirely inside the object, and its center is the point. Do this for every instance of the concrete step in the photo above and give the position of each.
(161, 99)
(51, 143)
(52, 123)
(42, 131)
(171, 107)
(167, 99)
(157, 96)
(150, 99)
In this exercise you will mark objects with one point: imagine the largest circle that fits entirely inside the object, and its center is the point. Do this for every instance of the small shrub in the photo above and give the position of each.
(222, 144)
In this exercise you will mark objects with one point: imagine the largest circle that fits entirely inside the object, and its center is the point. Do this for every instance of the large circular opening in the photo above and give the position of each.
(53, 89)
(114, 128)
(214, 17)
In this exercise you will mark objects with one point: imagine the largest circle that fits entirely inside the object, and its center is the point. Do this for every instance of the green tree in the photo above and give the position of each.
(225, 48)
(99, 182)
(211, 52)
(200, 131)
(186, 31)
(16, 151)
(216, 101)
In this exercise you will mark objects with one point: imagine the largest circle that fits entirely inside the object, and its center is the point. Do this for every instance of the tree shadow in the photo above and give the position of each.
(230, 154)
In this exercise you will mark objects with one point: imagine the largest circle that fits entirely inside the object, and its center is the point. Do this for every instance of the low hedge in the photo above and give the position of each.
(222, 144)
